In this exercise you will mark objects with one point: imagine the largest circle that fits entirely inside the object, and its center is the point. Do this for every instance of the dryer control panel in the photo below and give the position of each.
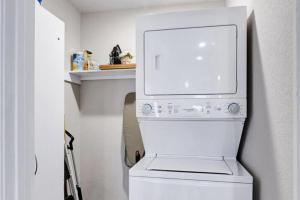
(193, 108)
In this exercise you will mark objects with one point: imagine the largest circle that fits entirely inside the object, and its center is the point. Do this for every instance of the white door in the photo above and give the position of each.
(191, 61)
(49, 106)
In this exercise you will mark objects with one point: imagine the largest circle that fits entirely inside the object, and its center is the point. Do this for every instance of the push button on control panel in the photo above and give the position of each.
(147, 109)
(234, 108)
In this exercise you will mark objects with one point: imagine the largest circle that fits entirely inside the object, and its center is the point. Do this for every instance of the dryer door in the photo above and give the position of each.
(191, 61)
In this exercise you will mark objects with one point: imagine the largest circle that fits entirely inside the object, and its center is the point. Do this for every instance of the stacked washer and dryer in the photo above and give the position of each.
(191, 106)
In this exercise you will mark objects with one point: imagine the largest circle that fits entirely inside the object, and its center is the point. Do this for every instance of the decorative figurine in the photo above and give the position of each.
(126, 57)
(114, 56)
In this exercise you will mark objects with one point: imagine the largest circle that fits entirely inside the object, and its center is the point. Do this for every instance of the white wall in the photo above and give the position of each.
(101, 31)
(72, 118)
(17, 99)
(268, 141)
(297, 99)
(103, 174)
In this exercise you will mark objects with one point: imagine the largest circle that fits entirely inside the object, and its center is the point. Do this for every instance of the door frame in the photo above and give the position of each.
(16, 99)
(296, 127)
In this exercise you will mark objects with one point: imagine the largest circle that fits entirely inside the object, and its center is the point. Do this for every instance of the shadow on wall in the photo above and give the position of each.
(125, 169)
(256, 149)
(132, 139)
(76, 91)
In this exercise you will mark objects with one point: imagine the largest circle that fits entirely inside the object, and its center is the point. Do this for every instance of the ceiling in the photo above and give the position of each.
(86, 6)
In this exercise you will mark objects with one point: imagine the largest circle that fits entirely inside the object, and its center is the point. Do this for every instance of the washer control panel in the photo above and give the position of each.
(234, 108)
(147, 109)
(193, 108)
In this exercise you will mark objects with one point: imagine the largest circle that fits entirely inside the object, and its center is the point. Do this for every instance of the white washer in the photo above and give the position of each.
(191, 106)
(196, 179)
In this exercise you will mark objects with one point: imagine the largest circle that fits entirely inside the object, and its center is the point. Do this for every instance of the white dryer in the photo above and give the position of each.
(191, 106)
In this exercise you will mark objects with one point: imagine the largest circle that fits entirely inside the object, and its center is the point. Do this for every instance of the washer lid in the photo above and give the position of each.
(192, 165)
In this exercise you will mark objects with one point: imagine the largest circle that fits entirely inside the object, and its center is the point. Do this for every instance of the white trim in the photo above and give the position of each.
(77, 77)
(72, 79)
(16, 99)
(2, 144)
(296, 84)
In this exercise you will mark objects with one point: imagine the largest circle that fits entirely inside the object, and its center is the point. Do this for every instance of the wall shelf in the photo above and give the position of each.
(78, 76)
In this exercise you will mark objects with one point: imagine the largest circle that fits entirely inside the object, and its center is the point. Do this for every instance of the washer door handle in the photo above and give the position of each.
(157, 62)
(36, 164)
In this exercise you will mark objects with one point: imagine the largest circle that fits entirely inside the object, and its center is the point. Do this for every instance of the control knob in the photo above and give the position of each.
(234, 108)
(147, 109)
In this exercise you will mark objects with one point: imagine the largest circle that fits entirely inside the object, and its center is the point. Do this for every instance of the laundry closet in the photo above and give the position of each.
(98, 106)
